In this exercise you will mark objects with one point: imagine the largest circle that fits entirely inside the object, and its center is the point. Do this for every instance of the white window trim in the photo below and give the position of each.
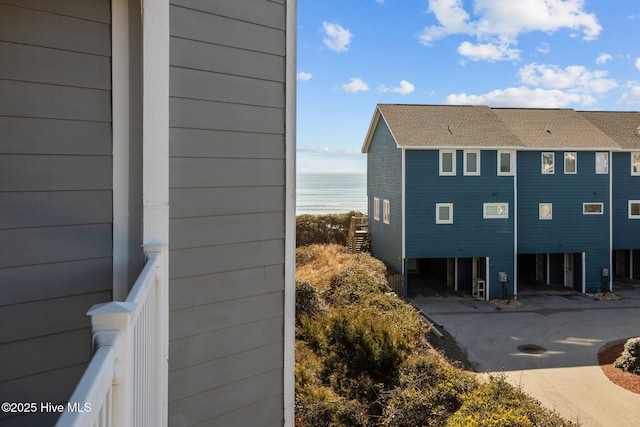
(376, 208)
(477, 153)
(444, 221)
(631, 202)
(631, 159)
(491, 216)
(540, 217)
(553, 162)
(453, 162)
(386, 211)
(584, 205)
(565, 162)
(512, 163)
(606, 171)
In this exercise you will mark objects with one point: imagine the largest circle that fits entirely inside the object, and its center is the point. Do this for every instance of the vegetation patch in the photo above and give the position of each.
(362, 357)
(629, 360)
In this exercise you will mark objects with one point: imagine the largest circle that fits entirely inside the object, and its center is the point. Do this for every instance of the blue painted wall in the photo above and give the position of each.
(569, 231)
(470, 235)
(384, 180)
(626, 232)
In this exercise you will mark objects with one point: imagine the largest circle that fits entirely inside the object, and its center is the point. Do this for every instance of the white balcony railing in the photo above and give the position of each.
(125, 383)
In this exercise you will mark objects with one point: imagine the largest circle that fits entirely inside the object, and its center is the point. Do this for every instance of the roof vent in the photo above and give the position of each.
(637, 131)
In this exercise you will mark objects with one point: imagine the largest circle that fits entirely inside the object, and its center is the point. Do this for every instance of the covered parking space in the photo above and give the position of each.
(427, 276)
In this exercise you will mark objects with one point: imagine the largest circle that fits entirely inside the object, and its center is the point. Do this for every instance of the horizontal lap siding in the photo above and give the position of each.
(470, 235)
(626, 232)
(569, 230)
(384, 181)
(55, 192)
(227, 172)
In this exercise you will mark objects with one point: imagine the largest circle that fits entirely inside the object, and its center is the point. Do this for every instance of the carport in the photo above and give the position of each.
(465, 275)
(552, 269)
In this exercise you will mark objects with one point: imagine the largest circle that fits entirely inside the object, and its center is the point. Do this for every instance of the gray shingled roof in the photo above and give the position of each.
(621, 126)
(417, 126)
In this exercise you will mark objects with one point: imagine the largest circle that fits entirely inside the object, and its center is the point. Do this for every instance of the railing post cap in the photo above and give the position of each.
(112, 308)
(154, 247)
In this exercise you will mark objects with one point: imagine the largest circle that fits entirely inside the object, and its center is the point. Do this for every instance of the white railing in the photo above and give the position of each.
(125, 383)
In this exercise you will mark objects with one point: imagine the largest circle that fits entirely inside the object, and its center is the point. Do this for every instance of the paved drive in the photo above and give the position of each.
(570, 327)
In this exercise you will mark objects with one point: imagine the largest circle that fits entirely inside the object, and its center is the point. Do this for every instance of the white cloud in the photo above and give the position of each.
(355, 85)
(544, 48)
(522, 97)
(603, 58)
(304, 77)
(638, 63)
(632, 97)
(488, 52)
(500, 22)
(405, 88)
(575, 78)
(336, 38)
(380, 1)
(325, 159)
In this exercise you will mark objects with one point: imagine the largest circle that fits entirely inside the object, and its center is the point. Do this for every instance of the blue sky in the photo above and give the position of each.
(354, 54)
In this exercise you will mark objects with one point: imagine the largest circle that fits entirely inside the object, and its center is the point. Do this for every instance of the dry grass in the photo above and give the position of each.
(319, 264)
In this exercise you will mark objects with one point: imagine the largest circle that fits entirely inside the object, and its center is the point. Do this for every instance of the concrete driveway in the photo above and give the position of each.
(549, 347)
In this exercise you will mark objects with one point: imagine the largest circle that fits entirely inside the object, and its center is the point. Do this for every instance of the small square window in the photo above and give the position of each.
(571, 162)
(602, 163)
(545, 210)
(634, 209)
(506, 162)
(592, 208)
(547, 163)
(495, 210)
(447, 162)
(471, 162)
(635, 163)
(376, 209)
(444, 213)
(386, 211)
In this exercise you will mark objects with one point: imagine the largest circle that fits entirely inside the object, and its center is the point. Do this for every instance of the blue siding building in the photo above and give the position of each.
(479, 198)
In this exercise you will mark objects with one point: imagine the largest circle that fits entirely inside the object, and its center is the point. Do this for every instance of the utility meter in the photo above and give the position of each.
(502, 277)
(605, 272)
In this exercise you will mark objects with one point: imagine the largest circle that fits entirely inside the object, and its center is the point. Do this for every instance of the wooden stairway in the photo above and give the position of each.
(358, 233)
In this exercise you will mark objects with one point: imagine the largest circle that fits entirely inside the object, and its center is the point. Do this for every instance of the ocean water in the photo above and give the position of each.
(322, 193)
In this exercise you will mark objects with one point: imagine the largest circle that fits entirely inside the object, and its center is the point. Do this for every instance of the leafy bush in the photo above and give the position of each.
(497, 403)
(323, 229)
(629, 360)
(353, 284)
(308, 302)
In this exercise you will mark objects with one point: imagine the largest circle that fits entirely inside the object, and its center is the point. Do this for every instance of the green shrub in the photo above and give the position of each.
(317, 406)
(496, 403)
(629, 360)
(354, 284)
(308, 302)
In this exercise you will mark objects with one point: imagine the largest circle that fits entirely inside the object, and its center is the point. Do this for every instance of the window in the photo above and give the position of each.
(592, 208)
(506, 162)
(547, 162)
(495, 210)
(386, 212)
(635, 163)
(634, 209)
(444, 213)
(602, 163)
(376, 209)
(447, 162)
(472, 162)
(570, 162)
(545, 210)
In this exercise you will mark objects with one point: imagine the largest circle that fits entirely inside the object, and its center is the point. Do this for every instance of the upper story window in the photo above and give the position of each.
(495, 210)
(472, 162)
(592, 208)
(547, 162)
(444, 213)
(602, 163)
(447, 162)
(634, 209)
(635, 163)
(506, 162)
(545, 211)
(376, 209)
(386, 211)
(570, 162)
